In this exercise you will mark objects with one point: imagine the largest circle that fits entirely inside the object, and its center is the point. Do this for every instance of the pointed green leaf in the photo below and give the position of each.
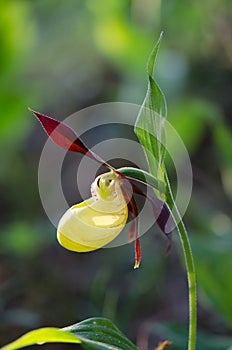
(41, 336)
(149, 126)
(100, 333)
(155, 99)
(92, 334)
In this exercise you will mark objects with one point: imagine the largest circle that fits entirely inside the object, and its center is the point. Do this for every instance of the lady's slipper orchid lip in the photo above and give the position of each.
(65, 137)
(97, 221)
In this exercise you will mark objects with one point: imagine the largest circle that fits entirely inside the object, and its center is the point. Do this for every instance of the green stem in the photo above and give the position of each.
(147, 178)
(144, 177)
(189, 263)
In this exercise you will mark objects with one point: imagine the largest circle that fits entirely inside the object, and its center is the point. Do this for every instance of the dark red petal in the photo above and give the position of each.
(133, 210)
(160, 209)
(61, 134)
(134, 231)
(161, 212)
(138, 254)
(65, 137)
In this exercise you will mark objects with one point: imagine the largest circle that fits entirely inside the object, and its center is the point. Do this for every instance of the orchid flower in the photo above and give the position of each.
(97, 221)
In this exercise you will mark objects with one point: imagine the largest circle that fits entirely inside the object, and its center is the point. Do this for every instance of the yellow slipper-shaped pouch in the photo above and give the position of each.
(98, 220)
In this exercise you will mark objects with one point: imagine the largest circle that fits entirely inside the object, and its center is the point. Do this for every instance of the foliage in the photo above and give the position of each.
(95, 334)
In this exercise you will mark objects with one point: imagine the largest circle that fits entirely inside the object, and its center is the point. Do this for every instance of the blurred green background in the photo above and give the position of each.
(61, 56)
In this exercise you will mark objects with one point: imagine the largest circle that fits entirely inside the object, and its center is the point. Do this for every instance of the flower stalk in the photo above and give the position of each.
(190, 268)
(150, 180)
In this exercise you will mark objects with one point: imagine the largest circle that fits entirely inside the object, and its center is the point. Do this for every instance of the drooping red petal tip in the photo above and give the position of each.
(138, 254)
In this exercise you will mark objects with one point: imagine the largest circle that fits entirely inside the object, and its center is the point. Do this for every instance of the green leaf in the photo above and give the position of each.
(41, 336)
(92, 334)
(149, 126)
(100, 333)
